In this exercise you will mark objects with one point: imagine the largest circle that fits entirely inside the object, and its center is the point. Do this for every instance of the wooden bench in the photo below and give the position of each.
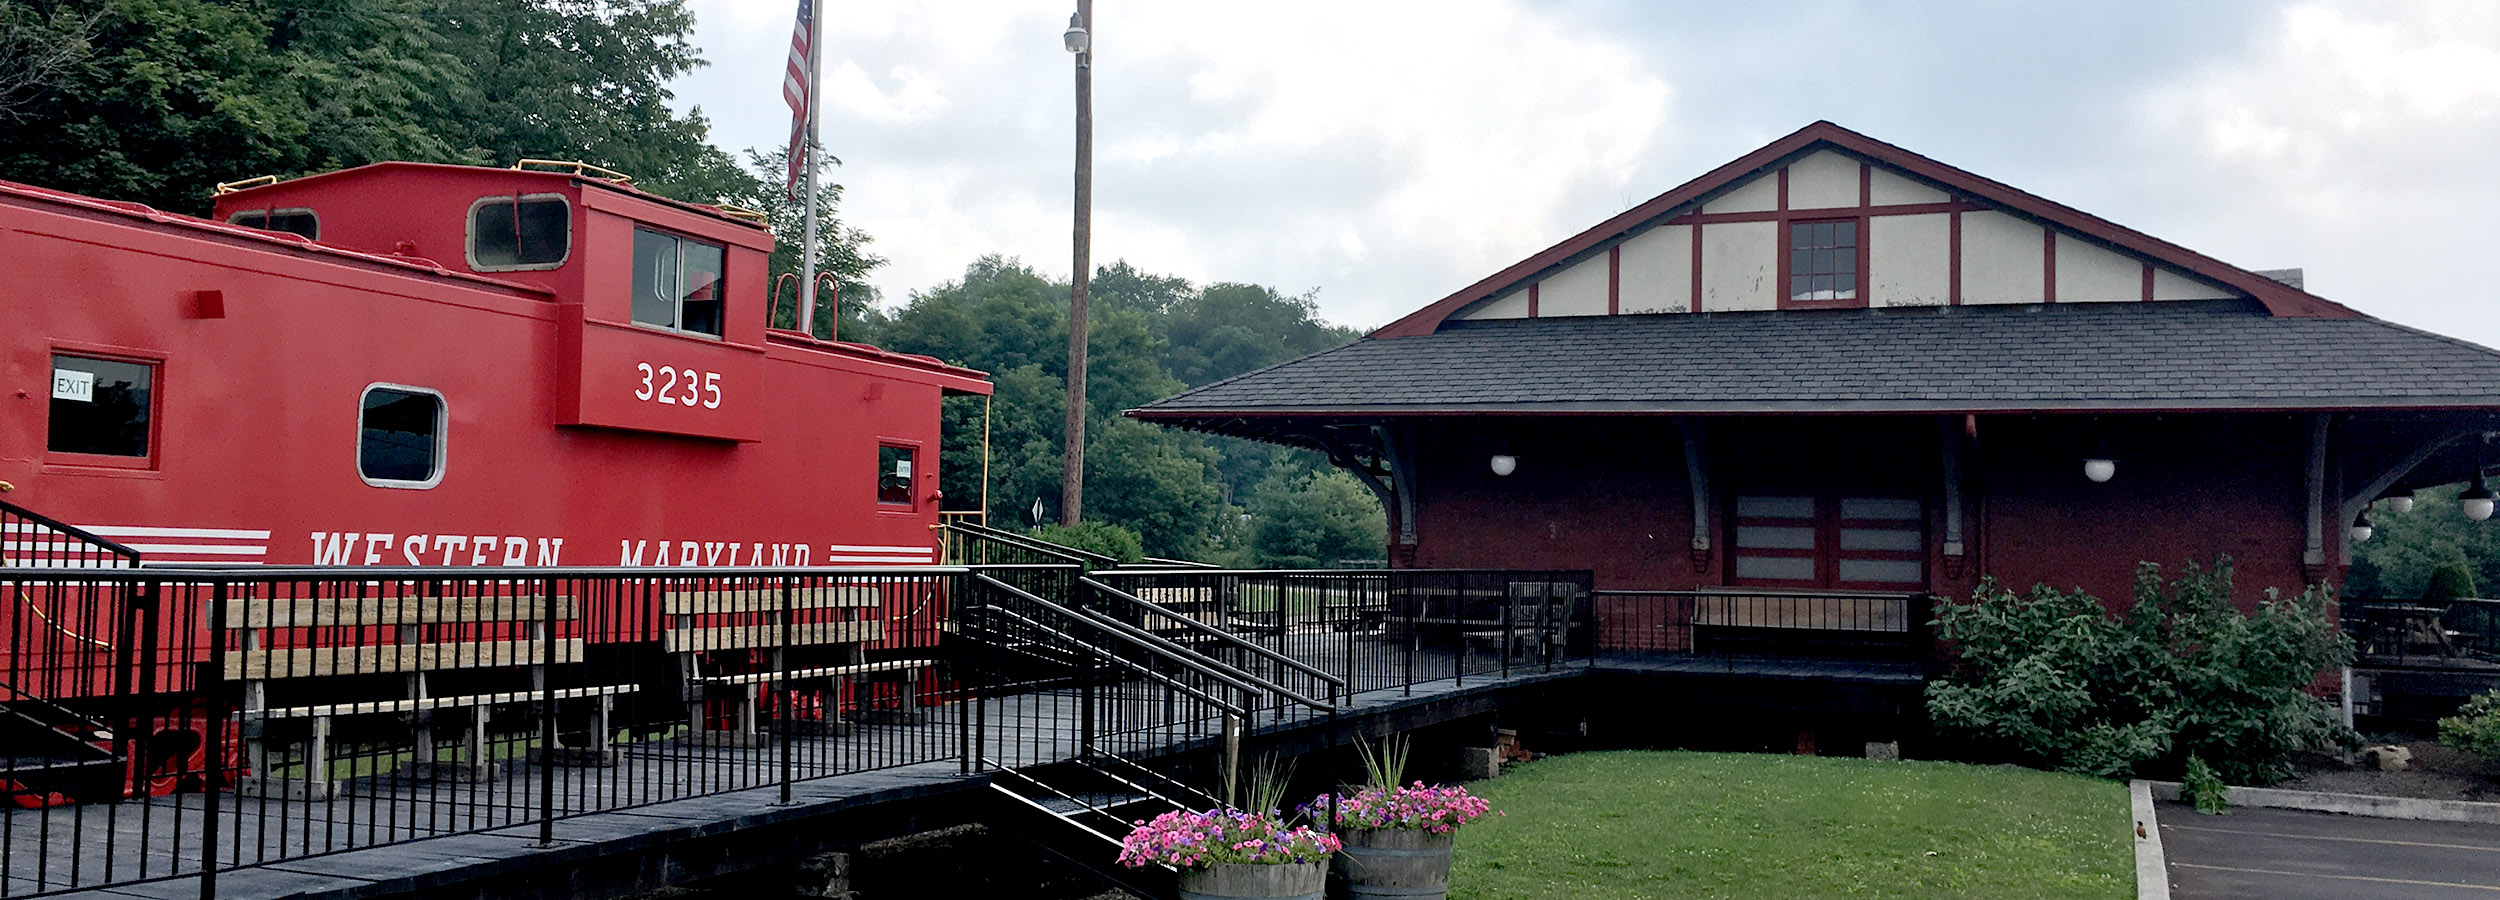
(1814, 624)
(691, 640)
(408, 654)
(1537, 619)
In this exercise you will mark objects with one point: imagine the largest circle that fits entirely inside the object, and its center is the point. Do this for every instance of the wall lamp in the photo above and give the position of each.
(1504, 464)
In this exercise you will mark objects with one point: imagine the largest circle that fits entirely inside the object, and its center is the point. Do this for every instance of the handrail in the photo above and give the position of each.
(1180, 563)
(1098, 620)
(1174, 684)
(108, 545)
(578, 168)
(227, 187)
(1331, 679)
(1034, 544)
(1176, 648)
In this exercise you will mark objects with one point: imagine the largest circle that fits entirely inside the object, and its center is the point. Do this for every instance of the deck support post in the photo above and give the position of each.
(1949, 439)
(2313, 550)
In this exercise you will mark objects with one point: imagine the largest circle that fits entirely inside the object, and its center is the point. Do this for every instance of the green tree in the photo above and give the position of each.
(170, 97)
(2397, 561)
(841, 250)
(1314, 519)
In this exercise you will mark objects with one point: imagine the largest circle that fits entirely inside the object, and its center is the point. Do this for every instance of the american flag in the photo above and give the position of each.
(795, 87)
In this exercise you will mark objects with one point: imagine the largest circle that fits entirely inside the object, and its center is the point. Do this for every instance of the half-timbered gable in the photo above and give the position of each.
(1827, 218)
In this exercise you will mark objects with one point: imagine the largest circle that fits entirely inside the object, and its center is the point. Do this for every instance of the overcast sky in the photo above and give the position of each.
(1386, 153)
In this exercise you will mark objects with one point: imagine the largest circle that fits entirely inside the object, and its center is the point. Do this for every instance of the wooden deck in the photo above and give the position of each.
(390, 834)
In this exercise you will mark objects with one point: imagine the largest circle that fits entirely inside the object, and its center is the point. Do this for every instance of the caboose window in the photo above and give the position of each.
(894, 466)
(100, 406)
(677, 283)
(518, 234)
(292, 221)
(400, 437)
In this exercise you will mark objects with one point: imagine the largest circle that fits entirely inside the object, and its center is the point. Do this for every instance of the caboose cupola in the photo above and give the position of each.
(661, 321)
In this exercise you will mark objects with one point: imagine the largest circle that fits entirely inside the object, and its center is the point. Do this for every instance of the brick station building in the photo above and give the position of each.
(1836, 364)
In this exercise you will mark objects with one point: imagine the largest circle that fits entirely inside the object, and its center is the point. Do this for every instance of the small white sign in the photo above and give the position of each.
(71, 384)
(902, 468)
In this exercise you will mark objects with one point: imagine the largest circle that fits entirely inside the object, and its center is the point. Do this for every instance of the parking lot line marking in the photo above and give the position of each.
(2321, 837)
(2495, 888)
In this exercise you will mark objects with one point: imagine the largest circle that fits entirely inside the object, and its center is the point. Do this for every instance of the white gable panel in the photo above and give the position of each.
(1513, 305)
(2088, 272)
(1576, 291)
(2001, 260)
(1762, 194)
(1657, 273)
(1884, 188)
(1909, 260)
(1823, 181)
(1736, 260)
(2170, 285)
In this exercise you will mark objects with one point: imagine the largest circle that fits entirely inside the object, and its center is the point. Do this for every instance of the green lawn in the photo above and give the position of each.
(1694, 825)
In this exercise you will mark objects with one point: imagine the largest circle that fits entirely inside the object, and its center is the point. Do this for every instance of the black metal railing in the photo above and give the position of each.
(2415, 633)
(164, 723)
(1748, 622)
(1369, 629)
(973, 544)
(168, 723)
(31, 540)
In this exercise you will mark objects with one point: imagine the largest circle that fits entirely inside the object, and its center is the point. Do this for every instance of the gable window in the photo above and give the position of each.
(894, 468)
(1850, 542)
(100, 406)
(399, 437)
(519, 234)
(292, 221)
(677, 283)
(1823, 262)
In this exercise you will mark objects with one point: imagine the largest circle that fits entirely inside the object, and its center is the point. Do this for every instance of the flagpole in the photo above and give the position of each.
(808, 149)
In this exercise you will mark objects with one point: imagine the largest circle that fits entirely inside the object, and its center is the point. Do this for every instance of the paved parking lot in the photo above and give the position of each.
(2291, 855)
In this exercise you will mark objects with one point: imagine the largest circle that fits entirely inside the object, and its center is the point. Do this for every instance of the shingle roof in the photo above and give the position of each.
(2188, 355)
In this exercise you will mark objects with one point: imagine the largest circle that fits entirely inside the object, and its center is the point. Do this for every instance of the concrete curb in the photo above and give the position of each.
(2349, 804)
(2152, 869)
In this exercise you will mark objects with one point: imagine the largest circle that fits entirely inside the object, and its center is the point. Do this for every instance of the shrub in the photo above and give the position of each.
(1094, 537)
(2203, 789)
(2051, 679)
(2453, 580)
(2475, 728)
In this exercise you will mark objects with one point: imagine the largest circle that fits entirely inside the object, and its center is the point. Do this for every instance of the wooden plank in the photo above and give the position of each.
(694, 603)
(1873, 614)
(820, 672)
(351, 612)
(403, 706)
(739, 637)
(316, 662)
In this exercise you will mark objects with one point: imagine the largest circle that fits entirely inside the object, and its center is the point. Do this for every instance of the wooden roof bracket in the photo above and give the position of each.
(2354, 501)
(1369, 473)
(2313, 550)
(1400, 454)
(1697, 473)
(1949, 430)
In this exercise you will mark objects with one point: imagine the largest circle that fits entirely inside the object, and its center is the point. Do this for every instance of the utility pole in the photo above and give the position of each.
(1079, 40)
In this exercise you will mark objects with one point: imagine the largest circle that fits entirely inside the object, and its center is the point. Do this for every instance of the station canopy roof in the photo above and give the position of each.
(2216, 355)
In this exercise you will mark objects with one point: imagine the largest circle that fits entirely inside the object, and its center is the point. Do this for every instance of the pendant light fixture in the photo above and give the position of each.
(2361, 529)
(2477, 499)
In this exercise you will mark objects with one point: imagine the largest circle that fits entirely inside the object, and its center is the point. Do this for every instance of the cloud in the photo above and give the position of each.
(2359, 135)
(1384, 152)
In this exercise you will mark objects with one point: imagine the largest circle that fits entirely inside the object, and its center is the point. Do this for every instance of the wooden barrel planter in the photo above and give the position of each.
(1245, 881)
(1406, 863)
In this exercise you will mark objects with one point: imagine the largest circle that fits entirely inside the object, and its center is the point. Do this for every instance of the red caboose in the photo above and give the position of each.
(443, 365)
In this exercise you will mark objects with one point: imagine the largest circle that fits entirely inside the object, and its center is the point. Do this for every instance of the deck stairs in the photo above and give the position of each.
(47, 749)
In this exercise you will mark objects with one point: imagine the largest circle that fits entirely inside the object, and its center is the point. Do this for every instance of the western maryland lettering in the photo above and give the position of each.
(711, 553)
(354, 548)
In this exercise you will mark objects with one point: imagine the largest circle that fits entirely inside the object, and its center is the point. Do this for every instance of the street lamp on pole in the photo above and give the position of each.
(1079, 41)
